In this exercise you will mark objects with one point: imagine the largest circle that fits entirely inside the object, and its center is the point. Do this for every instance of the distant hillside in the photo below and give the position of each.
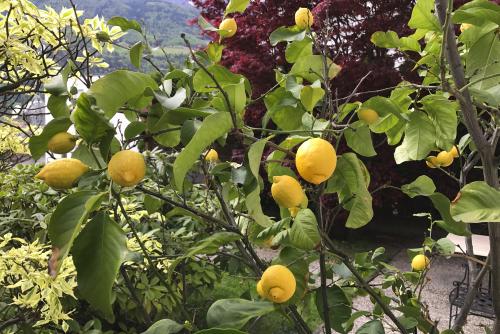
(164, 19)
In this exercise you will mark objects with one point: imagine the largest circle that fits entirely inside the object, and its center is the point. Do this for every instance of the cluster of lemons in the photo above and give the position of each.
(126, 168)
(442, 159)
(303, 19)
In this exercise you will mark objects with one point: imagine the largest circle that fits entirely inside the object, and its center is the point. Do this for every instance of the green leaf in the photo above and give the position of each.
(125, 24)
(113, 90)
(298, 49)
(214, 51)
(390, 39)
(152, 204)
(57, 106)
(442, 204)
(422, 16)
(312, 68)
(213, 127)
(236, 6)
(422, 186)
(205, 25)
(286, 34)
(220, 331)
(359, 139)
(134, 129)
(478, 13)
(164, 326)
(203, 83)
(90, 122)
(136, 54)
(311, 95)
(237, 96)
(443, 114)
(235, 313)
(212, 244)
(419, 140)
(477, 203)
(339, 307)
(445, 247)
(252, 200)
(38, 144)
(304, 232)
(371, 327)
(483, 59)
(66, 222)
(98, 253)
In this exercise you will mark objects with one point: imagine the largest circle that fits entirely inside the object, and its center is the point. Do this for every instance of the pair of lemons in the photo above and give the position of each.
(443, 159)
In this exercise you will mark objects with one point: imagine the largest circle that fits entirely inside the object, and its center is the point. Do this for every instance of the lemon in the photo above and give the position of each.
(304, 18)
(431, 161)
(444, 158)
(127, 168)
(369, 116)
(278, 283)
(465, 26)
(229, 26)
(294, 211)
(61, 143)
(454, 152)
(212, 156)
(316, 160)
(287, 191)
(420, 262)
(62, 173)
(259, 290)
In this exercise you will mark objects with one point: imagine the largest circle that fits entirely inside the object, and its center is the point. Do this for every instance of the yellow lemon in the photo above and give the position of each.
(61, 143)
(229, 26)
(127, 168)
(454, 152)
(62, 173)
(278, 283)
(369, 116)
(420, 262)
(294, 211)
(316, 160)
(431, 161)
(444, 158)
(304, 18)
(259, 290)
(287, 191)
(465, 26)
(212, 156)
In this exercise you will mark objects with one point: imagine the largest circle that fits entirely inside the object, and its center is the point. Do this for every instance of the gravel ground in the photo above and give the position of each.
(435, 294)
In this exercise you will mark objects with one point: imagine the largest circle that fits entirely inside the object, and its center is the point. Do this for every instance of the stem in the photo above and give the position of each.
(324, 295)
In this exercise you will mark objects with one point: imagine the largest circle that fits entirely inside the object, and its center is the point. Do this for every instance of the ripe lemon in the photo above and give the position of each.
(127, 168)
(304, 18)
(287, 191)
(212, 156)
(229, 26)
(259, 290)
(294, 211)
(431, 161)
(454, 152)
(316, 160)
(465, 26)
(278, 283)
(369, 116)
(420, 262)
(61, 143)
(444, 158)
(62, 173)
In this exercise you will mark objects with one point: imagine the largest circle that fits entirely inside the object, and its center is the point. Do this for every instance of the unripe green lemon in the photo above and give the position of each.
(304, 18)
(61, 143)
(127, 168)
(420, 262)
(278, 283)
(369, 116)
(230, 26)
(316, 160)
(62, 173)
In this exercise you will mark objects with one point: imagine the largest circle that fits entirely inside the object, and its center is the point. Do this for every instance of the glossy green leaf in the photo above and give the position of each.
(90, 122)
(442, 204)
(422, 186)
(66, 222)
(203, 83)
(390, 39)
(286, 34)
(478, 13)
(359, 139)
(57, 106)
(339, 307)
(134, 129)
(423, 17)
(98, 253)
(164, 326)
(443, 114)
(213, 127)
(113, 90)
(477, 203)
(38, 144)
(235, 313)
(445, 247)
(237, 96)
(252, 200)
(304, 233)
(419, 140)
(311, 95)
(298, 49)
(152, 204)
(136, 54)
(236, 6)
(125, 24)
